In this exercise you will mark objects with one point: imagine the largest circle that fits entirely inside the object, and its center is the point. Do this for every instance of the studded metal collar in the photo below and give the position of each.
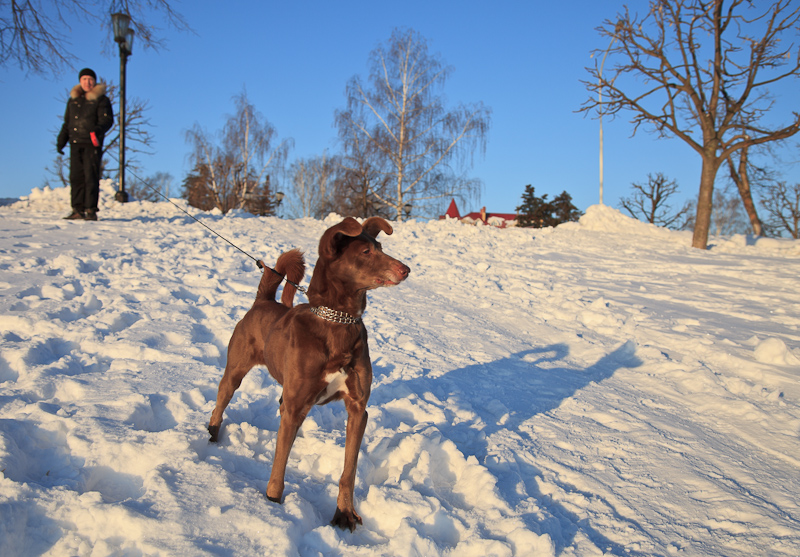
(335, 316)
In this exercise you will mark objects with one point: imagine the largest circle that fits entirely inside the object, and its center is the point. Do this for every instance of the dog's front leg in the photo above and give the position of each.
(346, 515)
(292, 417)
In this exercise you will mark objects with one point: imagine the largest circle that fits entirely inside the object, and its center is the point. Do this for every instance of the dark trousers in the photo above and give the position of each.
(84, 176)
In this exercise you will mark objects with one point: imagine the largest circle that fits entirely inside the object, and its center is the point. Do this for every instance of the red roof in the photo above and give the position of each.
(452, 211)
(482, 215)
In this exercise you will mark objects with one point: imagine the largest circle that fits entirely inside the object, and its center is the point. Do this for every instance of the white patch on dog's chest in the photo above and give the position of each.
(336, 383)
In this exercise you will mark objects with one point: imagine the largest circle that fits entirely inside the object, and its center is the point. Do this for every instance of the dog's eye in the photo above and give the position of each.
(366, 251)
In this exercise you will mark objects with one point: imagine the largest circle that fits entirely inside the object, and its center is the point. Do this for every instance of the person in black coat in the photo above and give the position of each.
(86, 120)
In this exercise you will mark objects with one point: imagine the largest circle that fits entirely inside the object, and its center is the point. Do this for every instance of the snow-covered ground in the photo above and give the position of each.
(600, 388)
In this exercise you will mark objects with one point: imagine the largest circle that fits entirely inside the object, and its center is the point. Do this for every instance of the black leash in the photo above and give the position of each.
(259, 264)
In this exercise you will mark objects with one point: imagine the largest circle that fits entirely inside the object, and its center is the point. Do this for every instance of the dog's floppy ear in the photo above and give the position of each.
(329, 242)
(374, 225)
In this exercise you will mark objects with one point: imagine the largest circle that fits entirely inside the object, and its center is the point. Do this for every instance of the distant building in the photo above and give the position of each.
(500, 220)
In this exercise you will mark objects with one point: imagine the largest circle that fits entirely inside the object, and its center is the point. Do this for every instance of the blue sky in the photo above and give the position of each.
(524, 60)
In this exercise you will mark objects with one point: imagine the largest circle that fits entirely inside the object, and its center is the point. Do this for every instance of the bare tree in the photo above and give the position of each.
(219, 185)
(35, 34)
(726, 214)
(59, 171)
(236, 171)
(153, 188)
(782, 204)
(649, 202)
(253, 142)
(312, 182)
(362, 179)
(727, 217)
(211, 180)
(750, 178)
(741, 177)
(401, 113)
(704, 66)
(138, 137)
(197, 192)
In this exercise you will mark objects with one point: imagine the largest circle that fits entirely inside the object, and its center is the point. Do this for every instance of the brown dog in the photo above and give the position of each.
(317, 351)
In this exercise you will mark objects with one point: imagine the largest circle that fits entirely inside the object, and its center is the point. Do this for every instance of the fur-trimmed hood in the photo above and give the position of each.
(97, 91)
(86, 114)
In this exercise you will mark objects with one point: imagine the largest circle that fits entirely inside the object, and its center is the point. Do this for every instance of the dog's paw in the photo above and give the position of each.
(214, 431)
(346, 519)
(275, 499)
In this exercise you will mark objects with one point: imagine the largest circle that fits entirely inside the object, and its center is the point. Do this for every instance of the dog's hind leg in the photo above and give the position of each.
(240, 362)
(227, 386)
(243, 355)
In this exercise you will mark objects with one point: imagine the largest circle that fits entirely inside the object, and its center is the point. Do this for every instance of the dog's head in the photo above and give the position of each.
(352, 259)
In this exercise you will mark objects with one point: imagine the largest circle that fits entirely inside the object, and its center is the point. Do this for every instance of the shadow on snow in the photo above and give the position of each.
(502, 395)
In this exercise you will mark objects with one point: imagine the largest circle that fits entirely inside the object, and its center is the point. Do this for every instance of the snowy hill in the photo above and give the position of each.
(600, 388)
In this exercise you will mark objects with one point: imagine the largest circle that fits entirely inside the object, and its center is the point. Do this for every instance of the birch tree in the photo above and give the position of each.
(211, 182)
(362, 180)
(235, 170)
(311, 181)
(701, 71)
(399, 110)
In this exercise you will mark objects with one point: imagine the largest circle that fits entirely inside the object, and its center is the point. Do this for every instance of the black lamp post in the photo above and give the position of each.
(123, 35)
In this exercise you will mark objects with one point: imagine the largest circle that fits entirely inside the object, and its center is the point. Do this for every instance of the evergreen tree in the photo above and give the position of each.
(564, 210)
(538, 212)
(531, 211)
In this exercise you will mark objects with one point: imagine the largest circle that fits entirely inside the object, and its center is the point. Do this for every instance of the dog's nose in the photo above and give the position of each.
(403, 270)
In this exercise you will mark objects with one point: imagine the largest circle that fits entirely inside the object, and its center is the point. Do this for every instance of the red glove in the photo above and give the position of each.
(94, 139)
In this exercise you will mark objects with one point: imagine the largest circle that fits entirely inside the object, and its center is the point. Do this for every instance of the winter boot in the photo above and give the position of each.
(91, 214)
(76, 215)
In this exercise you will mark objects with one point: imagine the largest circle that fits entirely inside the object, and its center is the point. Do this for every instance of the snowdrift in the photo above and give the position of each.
(595, 389)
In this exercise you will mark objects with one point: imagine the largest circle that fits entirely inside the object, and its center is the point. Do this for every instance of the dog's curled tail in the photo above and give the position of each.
(293, 267)
(289, 265)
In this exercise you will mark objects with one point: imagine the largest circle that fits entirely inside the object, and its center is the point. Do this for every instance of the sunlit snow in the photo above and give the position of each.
(600, 388)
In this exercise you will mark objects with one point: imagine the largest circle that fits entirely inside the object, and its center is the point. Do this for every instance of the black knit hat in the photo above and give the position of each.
(87, 71)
